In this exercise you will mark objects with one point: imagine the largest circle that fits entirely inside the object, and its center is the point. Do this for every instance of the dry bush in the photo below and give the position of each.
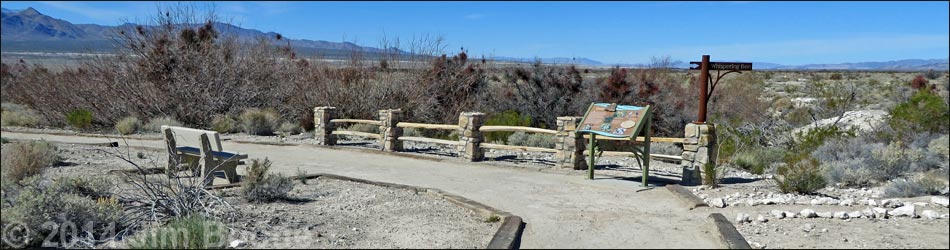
(289, 128)
(543, 92)
(260, 186)
(225, 124)
(259, 122)
(25, 159)
(128, 125)
(673, 100)
(155, 124)
(18, 115)
(191, 232)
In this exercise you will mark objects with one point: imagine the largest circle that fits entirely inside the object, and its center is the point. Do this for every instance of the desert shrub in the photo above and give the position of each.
(932, 74)
(224, 124)
(18, 115)
(411, 132)
(858, 162)
(531, 140)
(923, 112)
(79, 118)
(835, 76)
(155, 124)
(924, 185)
(665, 148)
(4, 140)
(191, 232)
(802, 176)
(940, 146)
(35, 204)
(259, 122)
(261, 186)
(25, 159)
(128, 125)
(507, 118)
(289, 128)
(90, 187)
(757, 160)
(543, 92)
(919, 82)
(366, 128)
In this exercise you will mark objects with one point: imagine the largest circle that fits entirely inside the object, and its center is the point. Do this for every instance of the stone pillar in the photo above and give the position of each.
(699, 153)
(470, 137)
(569, 144)
(322, 128)
(388, 131)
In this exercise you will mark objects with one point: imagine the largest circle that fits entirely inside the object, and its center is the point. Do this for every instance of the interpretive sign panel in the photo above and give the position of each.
(612, 120)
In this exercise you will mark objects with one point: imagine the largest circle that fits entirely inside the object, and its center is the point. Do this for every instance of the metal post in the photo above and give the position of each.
(703, 92)
(646, 151)
(590, 165)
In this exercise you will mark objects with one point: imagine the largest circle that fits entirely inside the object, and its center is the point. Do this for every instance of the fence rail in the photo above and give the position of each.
(518, 148)
(641, 139)
(516, 129)
(429, 140)
(427, 126)
(356, 133)
(652, 156)
(370, 122)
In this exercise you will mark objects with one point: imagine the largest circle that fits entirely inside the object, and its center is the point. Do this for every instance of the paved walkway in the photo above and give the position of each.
(561, 211)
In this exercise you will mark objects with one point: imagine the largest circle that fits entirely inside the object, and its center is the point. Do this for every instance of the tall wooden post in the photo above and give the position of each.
(703, 91)
(590, 166)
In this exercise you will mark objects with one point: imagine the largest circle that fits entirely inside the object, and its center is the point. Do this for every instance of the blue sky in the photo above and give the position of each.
(611, 32)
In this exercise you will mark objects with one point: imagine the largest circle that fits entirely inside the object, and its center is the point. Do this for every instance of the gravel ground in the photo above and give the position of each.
(324, 213)
(328, 213)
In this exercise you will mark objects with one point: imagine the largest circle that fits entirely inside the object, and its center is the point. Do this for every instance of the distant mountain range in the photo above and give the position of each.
(29, 30)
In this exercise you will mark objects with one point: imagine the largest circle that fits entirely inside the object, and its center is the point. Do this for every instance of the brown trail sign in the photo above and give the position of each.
(704, 66)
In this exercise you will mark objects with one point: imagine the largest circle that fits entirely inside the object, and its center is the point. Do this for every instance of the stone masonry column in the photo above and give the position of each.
(569, 144)
(470, 137)
(388, 131)
(322, 128)
(700, 152)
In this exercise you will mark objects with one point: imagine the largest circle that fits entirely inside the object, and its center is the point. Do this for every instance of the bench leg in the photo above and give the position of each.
(230, 171)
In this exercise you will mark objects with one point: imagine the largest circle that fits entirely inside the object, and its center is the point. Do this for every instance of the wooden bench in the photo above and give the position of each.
(199, 150)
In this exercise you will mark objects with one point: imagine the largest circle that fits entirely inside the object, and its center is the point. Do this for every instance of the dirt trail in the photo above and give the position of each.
(561, 211)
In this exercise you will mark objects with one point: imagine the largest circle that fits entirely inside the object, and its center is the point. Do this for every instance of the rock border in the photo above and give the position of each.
(692, 201)
(508, 235)
(727, 233)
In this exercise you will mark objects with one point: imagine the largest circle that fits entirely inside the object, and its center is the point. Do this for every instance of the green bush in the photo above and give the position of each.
(224, 124)
(4, 140)
(90, 187)
(757, 160)
(260, 186)
(923, 112)
(128, 125)
(155, 124)
(191, 232)
(803, 176)
(79, 118)
(507, 118)
(259, 122)
(18, 115)
(25, 159)
(35, 204)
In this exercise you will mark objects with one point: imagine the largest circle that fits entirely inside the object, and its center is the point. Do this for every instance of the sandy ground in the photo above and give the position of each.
(324, 213)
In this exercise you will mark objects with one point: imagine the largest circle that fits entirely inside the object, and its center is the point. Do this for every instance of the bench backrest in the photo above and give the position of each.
(189, 137)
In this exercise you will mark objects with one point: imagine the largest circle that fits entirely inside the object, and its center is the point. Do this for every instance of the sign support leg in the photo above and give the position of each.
(646, 151)
(590, 165)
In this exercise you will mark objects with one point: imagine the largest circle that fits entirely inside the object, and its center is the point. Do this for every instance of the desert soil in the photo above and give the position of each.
(323, 213)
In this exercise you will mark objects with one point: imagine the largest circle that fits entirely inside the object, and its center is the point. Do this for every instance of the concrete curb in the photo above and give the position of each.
(686, 196)
(727, 233)
(508, 235)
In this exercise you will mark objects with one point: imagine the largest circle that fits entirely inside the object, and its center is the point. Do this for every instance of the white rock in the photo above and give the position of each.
(828, 201)
(717, 202)
(846, 202)
(808, 213)
(825, 214)
(891, 203)
(842, 215)
(872, 203)
(815, 202)
(854, 214)
(763, 219)
(742, 218)
(750, 202)
(940, 200)
(880, 212)
(790, 214)
(930, 214)
(765, 202)
(908, 210)
(868, 213)
(237, 244)
(920, 204)
(778, 214)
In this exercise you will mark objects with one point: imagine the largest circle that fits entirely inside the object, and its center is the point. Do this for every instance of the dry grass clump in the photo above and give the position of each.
(18, 115)
(225, 124)
(260, 186)
(155, 124)
(128, 125)
(259, 122)
(25, 159)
